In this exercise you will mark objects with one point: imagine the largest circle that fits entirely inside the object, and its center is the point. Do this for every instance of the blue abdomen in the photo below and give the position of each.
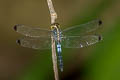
(59, 51)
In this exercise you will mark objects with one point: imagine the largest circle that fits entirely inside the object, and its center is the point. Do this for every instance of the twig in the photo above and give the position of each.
(54, 57)
(52, 11)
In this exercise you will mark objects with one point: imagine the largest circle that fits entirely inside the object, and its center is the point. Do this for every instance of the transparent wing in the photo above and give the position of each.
(79, 42)
(35, 42)
(83, 28)
(31, 31)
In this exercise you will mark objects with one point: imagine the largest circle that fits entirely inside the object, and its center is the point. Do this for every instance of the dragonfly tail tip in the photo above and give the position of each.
(61, 69)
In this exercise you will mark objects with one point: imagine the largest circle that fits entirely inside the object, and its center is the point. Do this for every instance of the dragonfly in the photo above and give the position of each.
(73, 37)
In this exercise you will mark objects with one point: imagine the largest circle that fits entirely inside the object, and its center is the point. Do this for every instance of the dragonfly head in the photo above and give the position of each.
(55, 26)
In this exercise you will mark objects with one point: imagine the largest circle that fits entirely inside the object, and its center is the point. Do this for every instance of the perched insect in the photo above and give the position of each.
(72, 37)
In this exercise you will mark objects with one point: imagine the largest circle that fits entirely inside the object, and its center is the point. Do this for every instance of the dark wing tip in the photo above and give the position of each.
(100, 22)
(15, 27)
(99, 38)
(18, 42)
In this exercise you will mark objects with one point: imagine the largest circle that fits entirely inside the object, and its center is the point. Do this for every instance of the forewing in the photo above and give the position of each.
(35, 42)
(80, 41)
(83, 28)
(31, 31)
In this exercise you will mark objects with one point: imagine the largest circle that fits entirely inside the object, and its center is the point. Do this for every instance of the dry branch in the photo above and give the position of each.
(54, 57)
(52, 11)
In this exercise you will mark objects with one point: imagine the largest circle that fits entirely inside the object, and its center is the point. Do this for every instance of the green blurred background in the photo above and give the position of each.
(97, 62)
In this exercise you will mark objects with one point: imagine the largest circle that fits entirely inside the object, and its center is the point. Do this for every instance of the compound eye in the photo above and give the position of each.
(52, 27)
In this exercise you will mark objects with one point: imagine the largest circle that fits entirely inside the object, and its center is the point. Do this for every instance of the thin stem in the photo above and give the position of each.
(52, 11)
(54, 57)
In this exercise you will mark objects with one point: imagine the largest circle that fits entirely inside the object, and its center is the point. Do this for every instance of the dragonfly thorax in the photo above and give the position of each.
(56, 32)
